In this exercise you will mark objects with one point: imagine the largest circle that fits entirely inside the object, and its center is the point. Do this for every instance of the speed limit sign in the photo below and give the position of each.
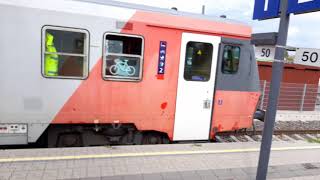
(308, 57)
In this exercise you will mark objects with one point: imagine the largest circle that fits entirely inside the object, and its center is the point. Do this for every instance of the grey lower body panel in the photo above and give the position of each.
(13, 139)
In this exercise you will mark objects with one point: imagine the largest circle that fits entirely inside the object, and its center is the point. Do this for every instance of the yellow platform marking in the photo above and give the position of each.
(163, 153)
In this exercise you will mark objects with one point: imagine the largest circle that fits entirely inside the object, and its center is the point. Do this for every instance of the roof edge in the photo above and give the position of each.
(161, 10)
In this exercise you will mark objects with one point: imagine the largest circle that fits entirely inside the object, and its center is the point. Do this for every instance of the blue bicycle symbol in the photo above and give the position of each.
(122, 68)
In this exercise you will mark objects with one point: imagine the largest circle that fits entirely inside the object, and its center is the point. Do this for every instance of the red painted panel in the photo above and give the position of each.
(194, 24)
(233, 110)
(149, 104)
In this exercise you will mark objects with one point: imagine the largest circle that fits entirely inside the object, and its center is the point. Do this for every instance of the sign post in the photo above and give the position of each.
(266, 9)
(277, 69)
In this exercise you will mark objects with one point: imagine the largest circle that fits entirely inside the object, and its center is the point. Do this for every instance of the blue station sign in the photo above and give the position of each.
(303, 6)
(267, 9)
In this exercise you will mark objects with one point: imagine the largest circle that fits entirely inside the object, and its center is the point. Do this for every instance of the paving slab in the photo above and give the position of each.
(174, 161)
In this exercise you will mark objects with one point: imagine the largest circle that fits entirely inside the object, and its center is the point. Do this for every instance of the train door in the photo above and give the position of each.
(196, 81)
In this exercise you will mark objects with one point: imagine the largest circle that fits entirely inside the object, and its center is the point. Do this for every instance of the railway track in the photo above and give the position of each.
(307, 131)
(279, 135)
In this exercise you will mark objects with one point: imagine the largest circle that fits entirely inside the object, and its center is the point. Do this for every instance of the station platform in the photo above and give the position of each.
(289, 160)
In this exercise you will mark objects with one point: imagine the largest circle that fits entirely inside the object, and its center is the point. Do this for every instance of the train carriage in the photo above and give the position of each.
(77, 73)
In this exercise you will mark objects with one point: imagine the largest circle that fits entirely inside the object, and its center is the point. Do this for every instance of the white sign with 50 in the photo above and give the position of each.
(308, 57)
(265, 53)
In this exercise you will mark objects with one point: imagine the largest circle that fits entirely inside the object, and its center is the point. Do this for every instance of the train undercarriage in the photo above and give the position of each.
(78, 135)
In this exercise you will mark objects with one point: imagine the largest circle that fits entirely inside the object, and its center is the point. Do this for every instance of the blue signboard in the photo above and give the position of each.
(266, 9)
(162, 57)
(304, 7)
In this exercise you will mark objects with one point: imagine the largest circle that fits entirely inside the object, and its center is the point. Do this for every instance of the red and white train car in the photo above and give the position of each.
(126, 74)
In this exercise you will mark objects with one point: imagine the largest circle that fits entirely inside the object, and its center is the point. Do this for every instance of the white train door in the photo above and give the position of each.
(197, 71)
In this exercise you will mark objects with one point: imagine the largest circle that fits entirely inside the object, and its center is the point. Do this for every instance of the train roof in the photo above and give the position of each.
(161, 10)
(159, 17)
(170, 18)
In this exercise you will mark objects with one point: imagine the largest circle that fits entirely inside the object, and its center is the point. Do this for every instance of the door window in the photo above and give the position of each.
(198, 61)
(230, 61)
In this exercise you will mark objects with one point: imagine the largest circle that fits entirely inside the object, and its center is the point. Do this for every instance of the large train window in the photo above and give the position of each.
(65, 52)
(230, 60)
(122, 57)
(198, 61)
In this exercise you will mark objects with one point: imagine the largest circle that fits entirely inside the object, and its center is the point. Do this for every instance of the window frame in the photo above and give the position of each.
(186, 48)
(85, 55)
(222, 59)
(104, 55)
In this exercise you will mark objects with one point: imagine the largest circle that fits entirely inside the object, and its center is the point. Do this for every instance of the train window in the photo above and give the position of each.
(230, 60)
(198, 61)
(65, 52)
(123, 57)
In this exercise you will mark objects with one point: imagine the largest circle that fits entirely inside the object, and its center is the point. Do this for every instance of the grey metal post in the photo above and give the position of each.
(263, 93)
(277, 69)
(203, 9)
(318, 99)
(303, 96)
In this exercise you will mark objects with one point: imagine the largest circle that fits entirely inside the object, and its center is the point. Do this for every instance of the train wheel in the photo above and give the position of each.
(151, 138)
(69, 140)
(155, 138)
(165, 140)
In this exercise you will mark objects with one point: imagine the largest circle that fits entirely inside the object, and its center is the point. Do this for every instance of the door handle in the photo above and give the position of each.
(206, 104)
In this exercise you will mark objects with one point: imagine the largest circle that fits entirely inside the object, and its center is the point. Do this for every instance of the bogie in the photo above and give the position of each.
(101, 135)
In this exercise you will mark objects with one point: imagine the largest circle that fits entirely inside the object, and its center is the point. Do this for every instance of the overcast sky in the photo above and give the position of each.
(304, 29)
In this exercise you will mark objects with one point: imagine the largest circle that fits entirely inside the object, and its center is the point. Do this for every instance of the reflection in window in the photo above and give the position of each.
(65, 52)
(123, 57)
(198, 61)
(230, 60)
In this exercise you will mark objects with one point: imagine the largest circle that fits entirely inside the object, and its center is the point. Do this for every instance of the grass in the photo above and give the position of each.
(314, 140)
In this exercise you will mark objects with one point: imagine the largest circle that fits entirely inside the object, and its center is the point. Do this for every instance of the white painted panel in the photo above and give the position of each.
(76, 7)
(29, 97)
(192, 120)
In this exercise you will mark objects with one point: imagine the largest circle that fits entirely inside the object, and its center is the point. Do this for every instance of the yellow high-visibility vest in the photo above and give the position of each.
(51, 60)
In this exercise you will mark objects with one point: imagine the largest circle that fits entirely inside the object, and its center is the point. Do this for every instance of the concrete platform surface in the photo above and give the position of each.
(299, 160)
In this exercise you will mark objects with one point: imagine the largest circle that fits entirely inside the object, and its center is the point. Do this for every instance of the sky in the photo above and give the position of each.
(304, 30)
